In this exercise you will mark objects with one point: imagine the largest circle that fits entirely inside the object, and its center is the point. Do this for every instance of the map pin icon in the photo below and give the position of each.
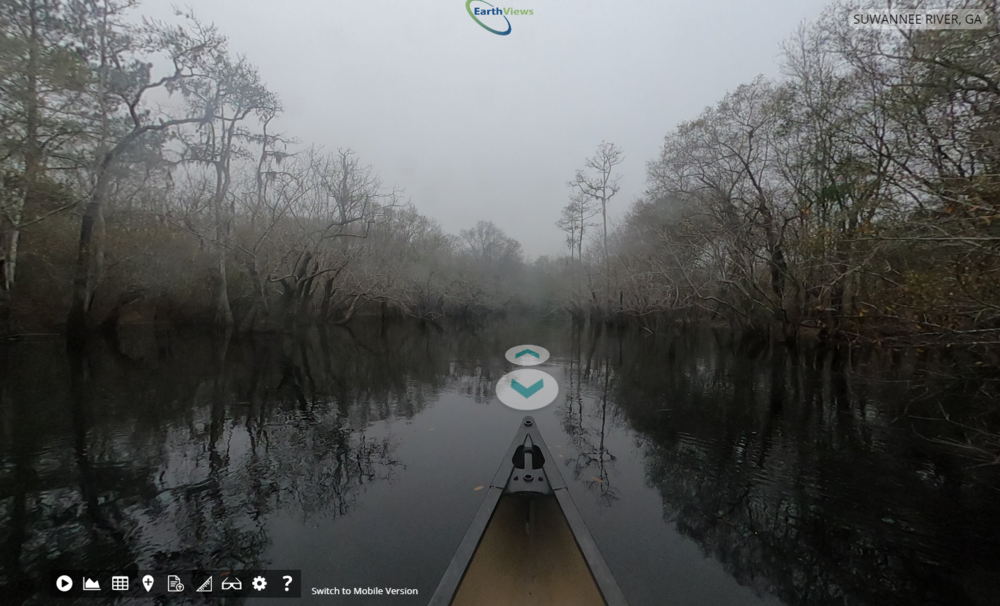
(147, 582)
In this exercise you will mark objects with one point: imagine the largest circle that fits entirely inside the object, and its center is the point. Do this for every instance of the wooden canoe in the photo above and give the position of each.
(528, 545)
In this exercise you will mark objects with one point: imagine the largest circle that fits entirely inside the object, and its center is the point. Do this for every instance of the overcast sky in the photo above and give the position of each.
(479, 126)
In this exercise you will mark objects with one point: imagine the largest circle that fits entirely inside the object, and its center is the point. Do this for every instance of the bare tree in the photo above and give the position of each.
(576, 218)
(598, 181)
(42, 84)
(344, 199)
(265, 204)
(488, 243)
(230, 92)
(129, 88)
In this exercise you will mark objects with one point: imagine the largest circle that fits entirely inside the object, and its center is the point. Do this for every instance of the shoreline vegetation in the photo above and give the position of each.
(856, 198)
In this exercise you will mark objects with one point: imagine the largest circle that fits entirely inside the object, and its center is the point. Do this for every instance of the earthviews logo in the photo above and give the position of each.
(491, 16)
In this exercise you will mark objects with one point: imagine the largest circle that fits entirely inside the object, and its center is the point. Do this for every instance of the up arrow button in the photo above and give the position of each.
(527, 355)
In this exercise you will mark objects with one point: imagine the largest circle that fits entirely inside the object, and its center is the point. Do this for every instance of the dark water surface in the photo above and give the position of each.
(708, 474)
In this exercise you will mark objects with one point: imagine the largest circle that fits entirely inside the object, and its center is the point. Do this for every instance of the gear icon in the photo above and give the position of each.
(259, 583)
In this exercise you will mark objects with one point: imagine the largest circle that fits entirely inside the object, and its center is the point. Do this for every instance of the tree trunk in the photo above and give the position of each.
(10, 223)
(579, 259)
(349, 313)
(223, 311)
(9, 234)
(89, 256)
(607, 264)
(777, 263)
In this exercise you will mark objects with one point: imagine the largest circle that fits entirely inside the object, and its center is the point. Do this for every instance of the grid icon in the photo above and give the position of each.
(119, 583)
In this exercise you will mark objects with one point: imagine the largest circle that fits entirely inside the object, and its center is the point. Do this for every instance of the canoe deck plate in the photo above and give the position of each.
(528, 478)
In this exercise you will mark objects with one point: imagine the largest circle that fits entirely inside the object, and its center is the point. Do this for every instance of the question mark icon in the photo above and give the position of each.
(288, 581)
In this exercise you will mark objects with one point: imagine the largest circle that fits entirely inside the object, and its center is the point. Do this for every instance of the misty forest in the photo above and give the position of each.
(143, 180)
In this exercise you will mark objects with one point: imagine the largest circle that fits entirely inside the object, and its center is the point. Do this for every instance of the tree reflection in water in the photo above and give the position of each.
(163, 451)
(803, 472)
(788, 468)
(589, 378)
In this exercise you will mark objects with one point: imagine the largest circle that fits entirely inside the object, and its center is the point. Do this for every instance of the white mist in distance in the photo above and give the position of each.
(476, 126)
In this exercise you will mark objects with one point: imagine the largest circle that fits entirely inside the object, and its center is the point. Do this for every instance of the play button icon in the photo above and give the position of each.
(64, 583)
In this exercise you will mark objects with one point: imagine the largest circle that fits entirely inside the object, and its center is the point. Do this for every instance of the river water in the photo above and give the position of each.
(709, 472)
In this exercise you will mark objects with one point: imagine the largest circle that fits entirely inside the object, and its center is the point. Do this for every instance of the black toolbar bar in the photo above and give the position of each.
(151, 583)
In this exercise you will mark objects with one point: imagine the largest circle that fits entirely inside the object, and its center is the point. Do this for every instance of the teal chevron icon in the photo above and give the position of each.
(527, 388)
(527, 354)
(527, 391)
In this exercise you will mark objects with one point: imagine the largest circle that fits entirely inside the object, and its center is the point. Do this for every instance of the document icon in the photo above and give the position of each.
(91, 584)
(174, 583)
